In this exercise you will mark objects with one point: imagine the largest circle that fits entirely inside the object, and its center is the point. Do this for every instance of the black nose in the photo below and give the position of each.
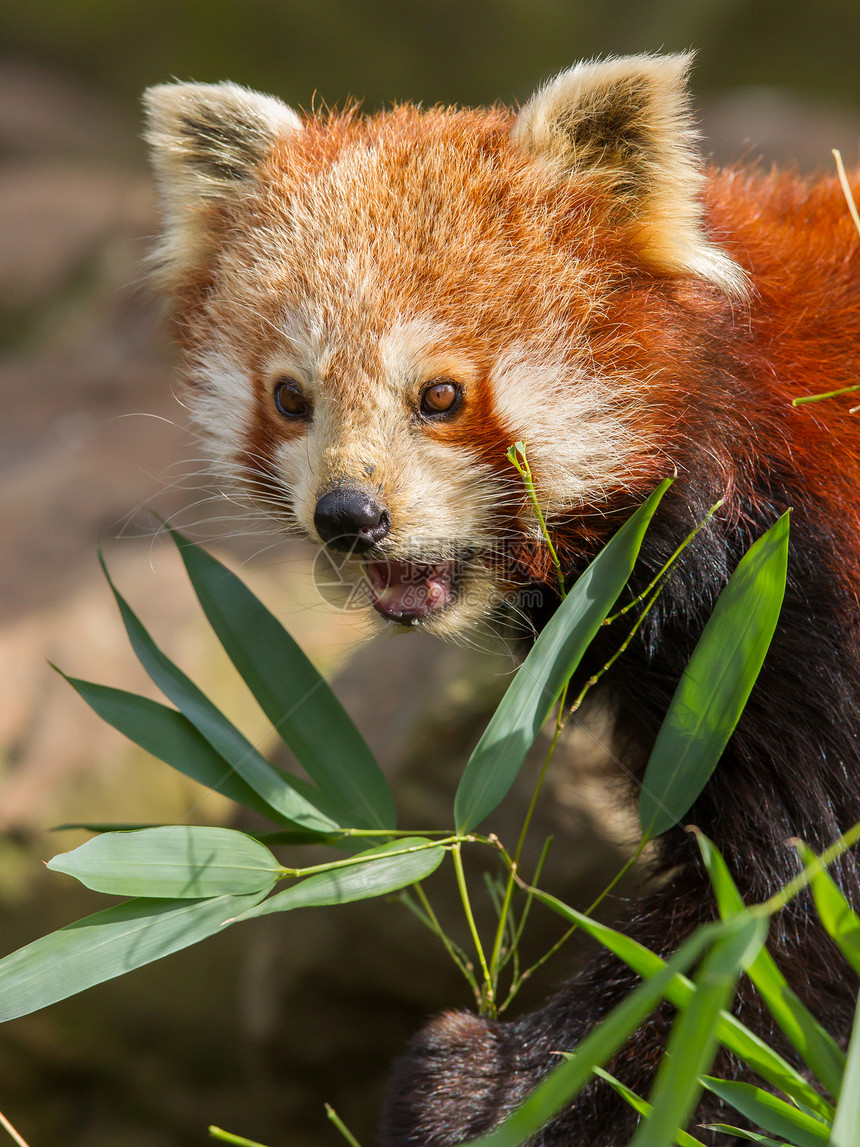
(350, 519)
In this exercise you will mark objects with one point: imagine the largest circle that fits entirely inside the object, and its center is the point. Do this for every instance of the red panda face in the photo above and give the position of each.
(372, 311)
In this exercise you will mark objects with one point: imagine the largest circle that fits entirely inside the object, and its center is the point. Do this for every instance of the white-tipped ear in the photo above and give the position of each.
(625, 122)
(207, 142)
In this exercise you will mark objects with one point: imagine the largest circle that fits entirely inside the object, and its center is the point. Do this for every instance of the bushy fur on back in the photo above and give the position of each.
(371, 310)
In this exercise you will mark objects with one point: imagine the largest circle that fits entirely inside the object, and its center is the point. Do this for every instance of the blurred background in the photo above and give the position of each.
(254, 1030)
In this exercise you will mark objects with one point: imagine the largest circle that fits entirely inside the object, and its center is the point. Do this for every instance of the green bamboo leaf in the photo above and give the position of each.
(844, 1132)
(714, 687)
(681, 1139)
(731, 1032)
(105, 945)
(222, 735)
(770, 1112)
(840, 921)
(493, 766)
(177, 861)
(692, 1042)
(565, 1082)
(817, 1047)
(738, 1132)
(172, 738)
(300, 836)
(291, 692)
(285, 836)
(96, 826)
(374, 872)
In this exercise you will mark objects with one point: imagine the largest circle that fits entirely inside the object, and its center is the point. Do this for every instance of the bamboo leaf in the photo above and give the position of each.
(300, 836)
(844, 1132)
(693, 1040)
(282, 836)
(564, 1083)
(105, 945)
(731, 1032)
(105, 826)
(714, 687)
(752, 1136)
(221, 734)
(176, 861)
(682, 1138)
(375, 872)
(291, 692)
(770, 1112)
(840, 921)
(172, 738)
(817, 1047)
(493, 766)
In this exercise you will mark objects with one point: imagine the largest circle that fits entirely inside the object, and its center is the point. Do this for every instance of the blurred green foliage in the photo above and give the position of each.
(463, 51)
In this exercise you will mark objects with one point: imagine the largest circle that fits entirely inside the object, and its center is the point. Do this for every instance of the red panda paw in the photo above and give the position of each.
(458, 1078)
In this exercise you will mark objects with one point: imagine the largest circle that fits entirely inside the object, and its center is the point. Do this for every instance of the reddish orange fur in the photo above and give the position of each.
(794, 238)
(590, 291)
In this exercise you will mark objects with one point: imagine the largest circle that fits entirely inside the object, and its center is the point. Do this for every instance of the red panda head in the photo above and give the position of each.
(372, 310)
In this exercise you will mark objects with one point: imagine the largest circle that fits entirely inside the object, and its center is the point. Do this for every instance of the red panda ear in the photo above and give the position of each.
(207, 141)
(626, 123)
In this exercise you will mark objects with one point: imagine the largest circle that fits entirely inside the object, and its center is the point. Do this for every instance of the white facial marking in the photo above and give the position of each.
(575, 425)
(221, 402)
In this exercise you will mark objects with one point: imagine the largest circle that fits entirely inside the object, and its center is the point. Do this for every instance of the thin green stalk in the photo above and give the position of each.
(852, 209)
(780, 899)
(488, 995)
(496, 890)
(682, 1138)
(846, 188)
(7, 1126)
(661, 573)
(391, 832)
(625, 868)
(296, 873)
(654, 588)
(767, 908)
(430, 920)
(509, 889)
(561, 719)
(491, 886)
(547, 844)
(335, 837)
(517, 977)
(228, 1137)
(592, 681)
(516, 455)
(517, 458)
(560, 722)
(828, 394)
(341, 1126)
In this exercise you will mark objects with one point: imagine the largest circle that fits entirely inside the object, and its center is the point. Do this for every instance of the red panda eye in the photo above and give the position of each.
(442, 397)
(290, 399)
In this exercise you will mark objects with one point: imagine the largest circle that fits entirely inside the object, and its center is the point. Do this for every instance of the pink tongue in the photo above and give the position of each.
(406, 591)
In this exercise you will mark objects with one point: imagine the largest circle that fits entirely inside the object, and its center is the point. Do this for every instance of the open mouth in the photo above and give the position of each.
(407, 591)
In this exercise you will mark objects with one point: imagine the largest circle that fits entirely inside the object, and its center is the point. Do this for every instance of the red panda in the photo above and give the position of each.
(371, 310)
